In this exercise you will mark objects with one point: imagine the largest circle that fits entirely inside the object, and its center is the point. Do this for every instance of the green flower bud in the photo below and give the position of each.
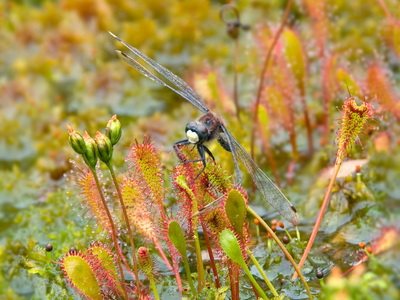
(76, 140)
(104, 147)
(113, 130)
(90, 156)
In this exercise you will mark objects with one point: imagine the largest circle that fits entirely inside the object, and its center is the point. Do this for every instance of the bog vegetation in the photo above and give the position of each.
(309, 88)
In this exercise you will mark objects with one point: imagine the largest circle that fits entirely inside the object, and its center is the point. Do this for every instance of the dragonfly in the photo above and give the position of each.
(210, 127)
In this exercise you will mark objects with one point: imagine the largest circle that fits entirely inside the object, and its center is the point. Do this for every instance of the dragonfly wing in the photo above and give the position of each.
(267, 188)
(141, 69)
(185, 90)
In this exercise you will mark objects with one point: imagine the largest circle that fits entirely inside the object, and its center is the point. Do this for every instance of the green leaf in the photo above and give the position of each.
(295, 56)
(230, 245)
(177, 237)
(263, 120)
(81, 275)
(235, 208)
(347, 82)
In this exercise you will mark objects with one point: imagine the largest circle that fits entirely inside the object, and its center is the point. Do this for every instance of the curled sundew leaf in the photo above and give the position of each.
(145, 261)
(177, 237)
(295, 57)
(235, 208)
(354, 117)
(80, 272)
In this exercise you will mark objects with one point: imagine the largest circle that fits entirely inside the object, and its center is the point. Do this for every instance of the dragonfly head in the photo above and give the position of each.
(196, 132)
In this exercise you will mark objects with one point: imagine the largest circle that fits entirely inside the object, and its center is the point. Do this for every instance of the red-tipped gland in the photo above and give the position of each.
(281, 225)
(286, 240)
(104, 147)
(90, 156)
(273, 227)
(145, 261)
(76, 141)
(113, 130)
(369, 249)
(256, 221)
(361, 245)
(274, 222)
(358, 169)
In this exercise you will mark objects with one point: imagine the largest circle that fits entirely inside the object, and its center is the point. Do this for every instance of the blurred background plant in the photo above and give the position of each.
(59, 66)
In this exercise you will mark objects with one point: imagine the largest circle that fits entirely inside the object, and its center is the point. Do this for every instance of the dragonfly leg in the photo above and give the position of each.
(202, 152)
(177, 149)
(209, 153)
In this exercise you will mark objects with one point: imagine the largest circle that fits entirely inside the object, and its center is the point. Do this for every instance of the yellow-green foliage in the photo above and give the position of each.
(81, 275)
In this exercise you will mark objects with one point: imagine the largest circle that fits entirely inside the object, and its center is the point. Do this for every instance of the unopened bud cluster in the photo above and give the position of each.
(99, 148)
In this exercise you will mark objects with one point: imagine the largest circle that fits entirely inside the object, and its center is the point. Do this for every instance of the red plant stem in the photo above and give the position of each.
(263, 72)
(164, 257)
(113, 232)
(310, 243)
(233, 279)
(210, 254)
(128, 226)
(385, 9)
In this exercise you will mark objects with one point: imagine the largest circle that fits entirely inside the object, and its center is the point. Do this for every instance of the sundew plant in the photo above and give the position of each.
(99, 202)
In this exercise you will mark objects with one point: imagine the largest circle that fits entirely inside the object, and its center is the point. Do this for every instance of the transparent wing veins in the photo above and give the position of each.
(183, 89)
(270, 192)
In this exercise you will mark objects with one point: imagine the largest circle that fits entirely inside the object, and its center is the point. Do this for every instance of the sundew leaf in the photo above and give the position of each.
(235, 208)
(106, 260)
(231, 247)
(177, 237)
(81, 276)
(146, 161)
(263, 120)
(347, 82)
(92, 197)
(295, 56)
